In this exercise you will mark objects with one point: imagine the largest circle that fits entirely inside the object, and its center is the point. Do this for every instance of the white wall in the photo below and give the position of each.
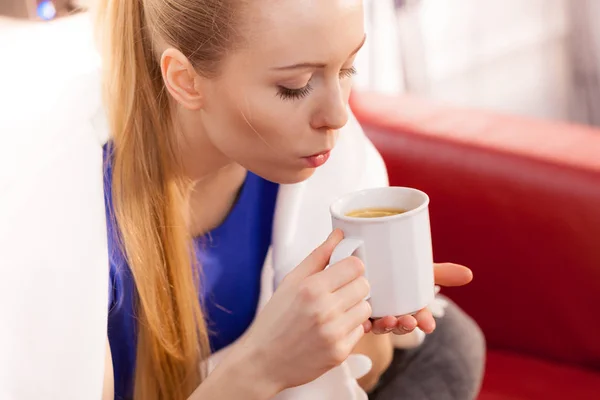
(378, 64)
(506, 55)
(462, 34)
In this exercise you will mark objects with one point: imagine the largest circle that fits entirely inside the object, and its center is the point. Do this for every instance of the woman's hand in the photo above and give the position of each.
(313, 321)
(446, 274)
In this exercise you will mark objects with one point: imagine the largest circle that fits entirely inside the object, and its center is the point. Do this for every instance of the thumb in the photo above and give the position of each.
(318, 259)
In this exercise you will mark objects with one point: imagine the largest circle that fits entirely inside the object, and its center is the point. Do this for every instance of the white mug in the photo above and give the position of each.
(396, 250)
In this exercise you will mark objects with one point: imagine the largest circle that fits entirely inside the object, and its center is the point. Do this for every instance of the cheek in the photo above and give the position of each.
(262, 133)
(258, 127)
(278, 138)
(276, 124)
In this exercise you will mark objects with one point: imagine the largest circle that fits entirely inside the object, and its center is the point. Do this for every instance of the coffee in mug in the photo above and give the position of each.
(375, 212)
(388, 229)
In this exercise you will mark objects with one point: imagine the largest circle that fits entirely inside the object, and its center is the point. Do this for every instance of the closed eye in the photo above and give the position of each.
(294, 94)
(348, 72)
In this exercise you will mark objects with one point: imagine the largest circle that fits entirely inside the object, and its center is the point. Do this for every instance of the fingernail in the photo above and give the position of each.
(387, 330)
(406, 329)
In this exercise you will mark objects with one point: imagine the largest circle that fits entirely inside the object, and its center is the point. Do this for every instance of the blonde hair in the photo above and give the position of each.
(148, 187)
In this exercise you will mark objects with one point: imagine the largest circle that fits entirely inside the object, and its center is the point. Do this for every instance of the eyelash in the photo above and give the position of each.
(295, 94)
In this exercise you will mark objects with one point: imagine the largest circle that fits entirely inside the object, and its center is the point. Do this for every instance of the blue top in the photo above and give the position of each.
(231, 256)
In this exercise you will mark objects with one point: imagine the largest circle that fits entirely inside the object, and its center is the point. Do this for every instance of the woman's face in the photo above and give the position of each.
(279, 102)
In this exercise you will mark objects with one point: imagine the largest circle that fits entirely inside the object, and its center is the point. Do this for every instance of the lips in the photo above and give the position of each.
(316, 160)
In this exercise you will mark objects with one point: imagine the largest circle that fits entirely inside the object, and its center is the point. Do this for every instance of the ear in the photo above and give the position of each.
(181, 79)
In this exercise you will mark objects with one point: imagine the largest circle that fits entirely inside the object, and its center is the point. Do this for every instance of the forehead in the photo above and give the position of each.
(304, 30)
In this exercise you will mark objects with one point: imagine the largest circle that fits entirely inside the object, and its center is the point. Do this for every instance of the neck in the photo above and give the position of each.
(212, 199)
(199, 156)
(216, 179)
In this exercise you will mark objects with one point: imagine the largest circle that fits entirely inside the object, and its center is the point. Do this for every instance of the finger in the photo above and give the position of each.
(448, 274)
(384, 325)
(352, 318)
(342, 273)
(368, 326)
(425, 320)
(351, 294)
(318, 259)
(405, 324)
(354, 337)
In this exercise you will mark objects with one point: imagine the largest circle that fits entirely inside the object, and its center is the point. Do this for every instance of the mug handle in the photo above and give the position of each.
(346, 248)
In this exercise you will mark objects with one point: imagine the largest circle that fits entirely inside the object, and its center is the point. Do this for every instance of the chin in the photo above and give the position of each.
(291, 177)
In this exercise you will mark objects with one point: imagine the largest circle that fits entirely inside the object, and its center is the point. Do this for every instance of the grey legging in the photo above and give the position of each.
(447, 366)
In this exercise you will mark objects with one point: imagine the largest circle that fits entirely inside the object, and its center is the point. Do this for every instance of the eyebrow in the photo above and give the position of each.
(319, 65)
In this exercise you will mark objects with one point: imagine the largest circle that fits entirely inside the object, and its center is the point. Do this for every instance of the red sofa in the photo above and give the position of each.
(517, 200)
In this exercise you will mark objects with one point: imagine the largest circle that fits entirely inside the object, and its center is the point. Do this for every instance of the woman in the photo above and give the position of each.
(212, 104)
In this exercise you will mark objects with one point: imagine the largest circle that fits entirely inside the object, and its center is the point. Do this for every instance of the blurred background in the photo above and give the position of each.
(44, 10)
(532, 57)
(492, 107)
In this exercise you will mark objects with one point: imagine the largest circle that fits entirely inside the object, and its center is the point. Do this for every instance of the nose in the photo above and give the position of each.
(332, 111)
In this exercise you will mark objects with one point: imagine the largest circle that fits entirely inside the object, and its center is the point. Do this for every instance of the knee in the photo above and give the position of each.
(475, 347)
(468, 341)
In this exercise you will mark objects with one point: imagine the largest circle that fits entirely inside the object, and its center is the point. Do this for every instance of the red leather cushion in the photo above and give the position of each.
(518, 201)
(514, 377)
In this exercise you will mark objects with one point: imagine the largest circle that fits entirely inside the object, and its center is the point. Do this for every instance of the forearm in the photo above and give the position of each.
(236, 377)
(380, 350)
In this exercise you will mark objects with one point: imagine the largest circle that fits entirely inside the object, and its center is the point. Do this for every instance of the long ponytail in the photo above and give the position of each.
(149, 197)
